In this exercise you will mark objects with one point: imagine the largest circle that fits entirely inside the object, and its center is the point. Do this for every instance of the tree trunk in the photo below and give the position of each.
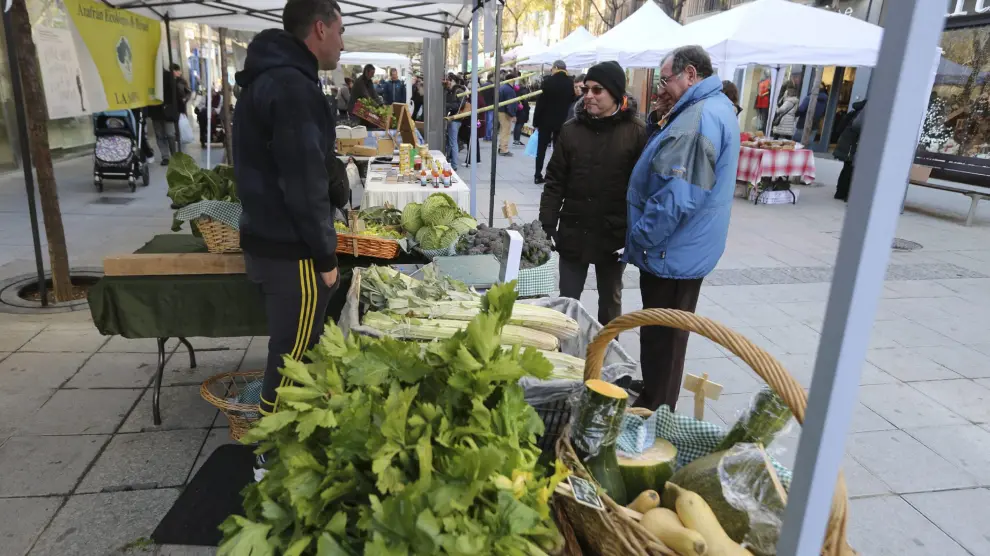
(228, 145)
(36, 110)
(809, 116)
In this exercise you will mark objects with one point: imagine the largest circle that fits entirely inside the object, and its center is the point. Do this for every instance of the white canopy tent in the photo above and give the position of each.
(624, 42)
(820, 37)
(529, 47)
(748, 34)
(385, 19)
(382, 59)
(577, 39)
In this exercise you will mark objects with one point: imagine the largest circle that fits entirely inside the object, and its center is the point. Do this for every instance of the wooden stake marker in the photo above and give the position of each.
(703, 389)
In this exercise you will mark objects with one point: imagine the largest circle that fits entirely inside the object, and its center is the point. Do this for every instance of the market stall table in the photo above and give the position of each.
(200, 305)
(757, 167)
(378, 191)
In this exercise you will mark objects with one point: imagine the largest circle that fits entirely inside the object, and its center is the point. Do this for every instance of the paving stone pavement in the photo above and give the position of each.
(84, 471)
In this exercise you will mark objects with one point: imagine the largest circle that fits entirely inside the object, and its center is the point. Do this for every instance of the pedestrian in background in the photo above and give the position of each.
(802, 113)
(731, 92)
(175, 95)
(506, 117)
(786, 116)
(417, 98)
(523, 115)
(344, 97)
(488, 97)
(578, 97)
(679, 201)
(583, 205)
(364, 88)
(394, 89)
(845, 149)
(452, 105)
(551, 112)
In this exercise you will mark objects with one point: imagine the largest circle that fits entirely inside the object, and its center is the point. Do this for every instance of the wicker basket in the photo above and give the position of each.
(220, 389)
(367, 246)
(613, 532)
(219, 237)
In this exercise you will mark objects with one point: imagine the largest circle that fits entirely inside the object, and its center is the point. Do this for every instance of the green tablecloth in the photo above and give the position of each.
(211, 306)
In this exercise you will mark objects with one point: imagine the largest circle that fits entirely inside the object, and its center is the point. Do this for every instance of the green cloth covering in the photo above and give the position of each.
(209, 306)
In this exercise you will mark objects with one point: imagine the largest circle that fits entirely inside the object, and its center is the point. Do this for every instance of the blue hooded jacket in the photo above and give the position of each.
(680, 192)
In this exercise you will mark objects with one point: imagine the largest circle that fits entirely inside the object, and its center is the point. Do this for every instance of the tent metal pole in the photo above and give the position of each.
(209, 97)
(473, 144)
(25, 145)
(495, 124)
(886, 150)
(175, 84)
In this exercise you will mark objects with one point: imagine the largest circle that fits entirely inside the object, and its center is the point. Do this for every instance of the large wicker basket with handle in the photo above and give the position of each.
(222, 391)
(613, 531)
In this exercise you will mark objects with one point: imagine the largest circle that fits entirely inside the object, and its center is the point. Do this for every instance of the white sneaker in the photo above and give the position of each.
(259, 468)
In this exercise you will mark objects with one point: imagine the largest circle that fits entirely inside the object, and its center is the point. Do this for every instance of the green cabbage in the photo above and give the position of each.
(464, 224)
(436, 237)
(439, 209)
(412, 219)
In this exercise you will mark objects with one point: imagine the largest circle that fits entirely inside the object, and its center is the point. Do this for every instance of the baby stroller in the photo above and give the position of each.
(117, 154)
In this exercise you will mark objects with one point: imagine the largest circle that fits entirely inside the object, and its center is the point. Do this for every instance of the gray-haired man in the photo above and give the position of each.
(679, 200)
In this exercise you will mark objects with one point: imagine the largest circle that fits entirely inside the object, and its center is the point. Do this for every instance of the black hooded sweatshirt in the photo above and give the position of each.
(284, 147)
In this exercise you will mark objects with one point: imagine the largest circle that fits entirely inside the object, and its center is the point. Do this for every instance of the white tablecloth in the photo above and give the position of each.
(377, 192)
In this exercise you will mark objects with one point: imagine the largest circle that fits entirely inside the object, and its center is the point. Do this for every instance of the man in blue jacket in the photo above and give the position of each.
(394, 90)
(284, 135)
(679, 198)
(506, 117)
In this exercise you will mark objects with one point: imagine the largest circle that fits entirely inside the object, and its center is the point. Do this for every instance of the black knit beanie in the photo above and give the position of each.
(611, 76)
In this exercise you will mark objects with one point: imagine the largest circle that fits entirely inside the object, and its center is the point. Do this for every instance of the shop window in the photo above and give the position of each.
(957, 121)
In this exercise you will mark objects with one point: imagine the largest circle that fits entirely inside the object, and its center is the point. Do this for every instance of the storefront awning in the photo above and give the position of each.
(365, 18)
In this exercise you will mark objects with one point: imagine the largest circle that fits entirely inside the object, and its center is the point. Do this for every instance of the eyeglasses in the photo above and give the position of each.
(664, 80)
(596, 90)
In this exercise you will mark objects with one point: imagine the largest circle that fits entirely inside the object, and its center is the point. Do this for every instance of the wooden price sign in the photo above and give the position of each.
(703, 389)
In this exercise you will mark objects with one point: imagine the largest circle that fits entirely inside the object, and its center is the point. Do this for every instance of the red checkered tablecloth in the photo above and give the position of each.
(755, 164)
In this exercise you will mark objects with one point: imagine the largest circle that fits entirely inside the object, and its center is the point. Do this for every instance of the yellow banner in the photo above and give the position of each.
(124, 47)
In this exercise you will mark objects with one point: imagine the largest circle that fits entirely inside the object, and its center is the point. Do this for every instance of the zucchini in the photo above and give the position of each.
(646, 501)
(666, 526)
(596, 427)
(766, 417)
(649, 470)
(696, 515)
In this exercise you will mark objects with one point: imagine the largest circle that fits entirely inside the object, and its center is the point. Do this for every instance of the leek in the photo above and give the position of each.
(439, 329)
(535, 317)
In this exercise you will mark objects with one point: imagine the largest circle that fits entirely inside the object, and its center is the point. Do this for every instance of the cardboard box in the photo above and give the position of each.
(362, 150)
(386, 146)
(920, 173)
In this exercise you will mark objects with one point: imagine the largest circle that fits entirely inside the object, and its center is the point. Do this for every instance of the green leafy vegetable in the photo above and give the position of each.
(188, 183)
(390, 447)
(412, 219)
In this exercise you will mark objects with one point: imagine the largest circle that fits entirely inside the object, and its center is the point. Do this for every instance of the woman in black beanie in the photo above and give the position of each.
(583, 206)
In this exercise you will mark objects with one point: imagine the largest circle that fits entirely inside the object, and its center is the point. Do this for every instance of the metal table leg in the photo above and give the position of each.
(155, 411)
(156, 394)
(192, 354)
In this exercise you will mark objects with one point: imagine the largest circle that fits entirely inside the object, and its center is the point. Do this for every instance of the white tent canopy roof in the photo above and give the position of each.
(529, 47)
(778, 32)
(624, 42)
(578, 38)
(395, 20)
(380, 59)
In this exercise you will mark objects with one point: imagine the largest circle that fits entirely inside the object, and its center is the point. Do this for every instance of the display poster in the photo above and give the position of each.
(95, 58)
(61, 75)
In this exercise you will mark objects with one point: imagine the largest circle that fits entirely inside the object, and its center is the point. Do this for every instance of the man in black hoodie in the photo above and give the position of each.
(284, 147)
